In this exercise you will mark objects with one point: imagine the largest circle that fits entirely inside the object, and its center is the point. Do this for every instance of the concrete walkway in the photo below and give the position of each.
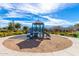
(71, 51)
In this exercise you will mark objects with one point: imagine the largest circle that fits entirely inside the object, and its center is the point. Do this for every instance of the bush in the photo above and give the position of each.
(67, 34)
(62, 34)
(17, 33)
(75, 35)
(1, 35)
(9, 33)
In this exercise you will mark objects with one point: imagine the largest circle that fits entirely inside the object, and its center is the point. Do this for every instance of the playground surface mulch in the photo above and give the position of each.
(55, 43)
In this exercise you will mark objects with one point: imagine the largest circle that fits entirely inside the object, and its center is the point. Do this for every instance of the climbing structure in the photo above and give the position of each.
(37, 30)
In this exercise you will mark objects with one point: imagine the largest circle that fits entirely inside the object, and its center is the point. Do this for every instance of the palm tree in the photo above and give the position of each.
(17, 26)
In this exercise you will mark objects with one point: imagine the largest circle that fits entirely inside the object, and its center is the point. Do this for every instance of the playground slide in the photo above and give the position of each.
(47, 34)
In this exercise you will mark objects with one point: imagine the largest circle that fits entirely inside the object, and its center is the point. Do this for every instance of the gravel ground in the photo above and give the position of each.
(71, 51)
(55, 43)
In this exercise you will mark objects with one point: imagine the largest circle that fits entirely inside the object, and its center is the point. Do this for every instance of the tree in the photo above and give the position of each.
(76, 27)
(17, 26)
(57, 28)
(10, 26)
(25, 28)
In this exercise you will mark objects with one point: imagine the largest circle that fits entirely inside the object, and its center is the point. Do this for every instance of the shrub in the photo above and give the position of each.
(62, 34)
(1, 35)
(9, 33)
(17, 33)
(75, 35)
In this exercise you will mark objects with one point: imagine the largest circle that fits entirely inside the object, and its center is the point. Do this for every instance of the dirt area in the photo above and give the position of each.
(56, 43)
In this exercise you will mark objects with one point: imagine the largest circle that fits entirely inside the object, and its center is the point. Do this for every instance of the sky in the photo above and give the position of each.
(52, 14)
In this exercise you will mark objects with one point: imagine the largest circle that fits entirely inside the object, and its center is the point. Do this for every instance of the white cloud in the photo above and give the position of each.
(18, 21)
(39, 8)
(50, 22)
(4, 21)
(24, 22)
(7, 6)
(13, 14)
(28, 7)
(57, 22)
(77, 22)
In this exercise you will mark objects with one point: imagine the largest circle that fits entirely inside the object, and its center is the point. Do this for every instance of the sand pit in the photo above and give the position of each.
(56, 43)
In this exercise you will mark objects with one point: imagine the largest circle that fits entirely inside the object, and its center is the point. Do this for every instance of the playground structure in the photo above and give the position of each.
(37, 40)
(37, 31)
